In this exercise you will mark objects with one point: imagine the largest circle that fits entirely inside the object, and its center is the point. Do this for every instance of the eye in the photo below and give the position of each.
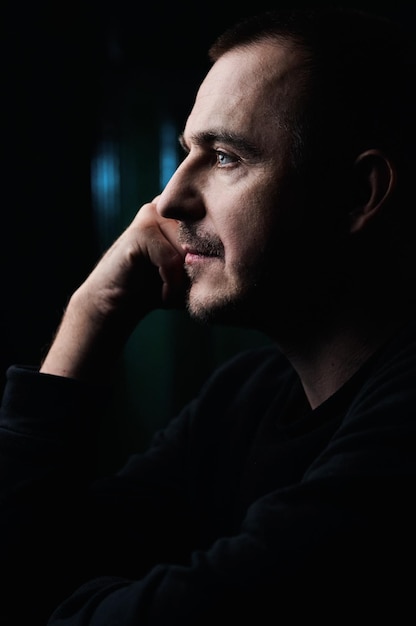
(224, 159)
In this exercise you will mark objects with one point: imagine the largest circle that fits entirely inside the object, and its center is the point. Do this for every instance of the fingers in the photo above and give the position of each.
(157, 237)
(158, 241)
(145, 264)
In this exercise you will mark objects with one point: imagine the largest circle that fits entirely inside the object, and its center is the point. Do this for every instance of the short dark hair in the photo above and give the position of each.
(361, 68)
(358, 94)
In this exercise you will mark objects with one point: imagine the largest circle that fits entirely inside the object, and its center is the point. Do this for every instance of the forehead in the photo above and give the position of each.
(248, 87)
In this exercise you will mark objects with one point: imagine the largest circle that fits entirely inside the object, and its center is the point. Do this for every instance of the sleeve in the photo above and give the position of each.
(60, 524)
(40, 456)
(307, 548)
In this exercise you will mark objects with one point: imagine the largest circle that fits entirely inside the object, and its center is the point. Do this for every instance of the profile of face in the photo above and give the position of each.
(235, 194)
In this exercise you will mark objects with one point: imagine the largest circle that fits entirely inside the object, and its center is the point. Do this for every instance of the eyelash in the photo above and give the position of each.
(218, 154)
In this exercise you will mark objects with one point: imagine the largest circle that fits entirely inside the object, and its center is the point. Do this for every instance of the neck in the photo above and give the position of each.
(326, 355)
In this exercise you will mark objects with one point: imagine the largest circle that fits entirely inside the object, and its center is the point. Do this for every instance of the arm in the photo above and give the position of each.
(310, 548)
(49, 419)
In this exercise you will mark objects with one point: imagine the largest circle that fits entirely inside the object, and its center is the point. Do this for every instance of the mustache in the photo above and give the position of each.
(198, 241)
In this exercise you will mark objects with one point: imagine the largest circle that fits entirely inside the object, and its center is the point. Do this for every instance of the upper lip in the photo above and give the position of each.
(192, 250)
(201, 248)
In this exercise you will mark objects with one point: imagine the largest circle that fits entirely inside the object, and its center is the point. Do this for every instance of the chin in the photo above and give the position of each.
(203, 309)
(218, 308)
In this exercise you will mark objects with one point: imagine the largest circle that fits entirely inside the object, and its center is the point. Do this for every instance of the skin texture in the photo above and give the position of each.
(226, 192)
(239, 236)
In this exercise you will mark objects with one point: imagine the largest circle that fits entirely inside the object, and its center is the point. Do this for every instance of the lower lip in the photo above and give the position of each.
(191, 259)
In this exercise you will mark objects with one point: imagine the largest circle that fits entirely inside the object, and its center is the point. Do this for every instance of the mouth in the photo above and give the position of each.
(199, 247)
(194, 255)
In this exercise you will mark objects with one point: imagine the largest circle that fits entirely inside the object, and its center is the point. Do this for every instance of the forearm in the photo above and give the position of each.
(288, 550)
(85, 347)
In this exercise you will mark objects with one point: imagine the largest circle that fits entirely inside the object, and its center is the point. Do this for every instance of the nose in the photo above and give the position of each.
(181, 198)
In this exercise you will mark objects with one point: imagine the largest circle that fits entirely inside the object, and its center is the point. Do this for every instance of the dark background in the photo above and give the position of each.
(82, 82)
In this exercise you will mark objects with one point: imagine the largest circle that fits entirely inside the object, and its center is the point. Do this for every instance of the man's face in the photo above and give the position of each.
(233, 194)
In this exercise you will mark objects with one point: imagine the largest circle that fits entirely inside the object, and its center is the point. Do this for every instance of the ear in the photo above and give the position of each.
(375, 179)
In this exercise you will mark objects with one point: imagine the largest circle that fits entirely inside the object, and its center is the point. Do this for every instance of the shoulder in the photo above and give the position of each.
(392, 370)
(378, 432)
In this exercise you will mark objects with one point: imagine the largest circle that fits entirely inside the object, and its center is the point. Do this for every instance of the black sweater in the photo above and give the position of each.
(249, 505)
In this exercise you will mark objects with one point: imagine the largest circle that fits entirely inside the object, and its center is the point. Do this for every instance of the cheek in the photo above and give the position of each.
(247, 220)
(248, 236)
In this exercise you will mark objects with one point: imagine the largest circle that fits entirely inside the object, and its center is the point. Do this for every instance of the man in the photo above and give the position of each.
(287, 486)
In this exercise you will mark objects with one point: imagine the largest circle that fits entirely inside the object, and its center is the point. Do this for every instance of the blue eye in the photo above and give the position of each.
(224, 159)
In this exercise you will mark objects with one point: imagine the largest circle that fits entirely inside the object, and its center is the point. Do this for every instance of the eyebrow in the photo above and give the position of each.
(207, 138)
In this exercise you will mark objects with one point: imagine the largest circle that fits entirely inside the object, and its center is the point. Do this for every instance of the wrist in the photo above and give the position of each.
(87, 343)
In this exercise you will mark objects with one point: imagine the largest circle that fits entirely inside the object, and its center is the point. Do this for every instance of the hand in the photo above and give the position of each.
(143, 270)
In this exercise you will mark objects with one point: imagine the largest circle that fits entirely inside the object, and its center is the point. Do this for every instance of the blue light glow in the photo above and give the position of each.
(168, 152)
(105, 189)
